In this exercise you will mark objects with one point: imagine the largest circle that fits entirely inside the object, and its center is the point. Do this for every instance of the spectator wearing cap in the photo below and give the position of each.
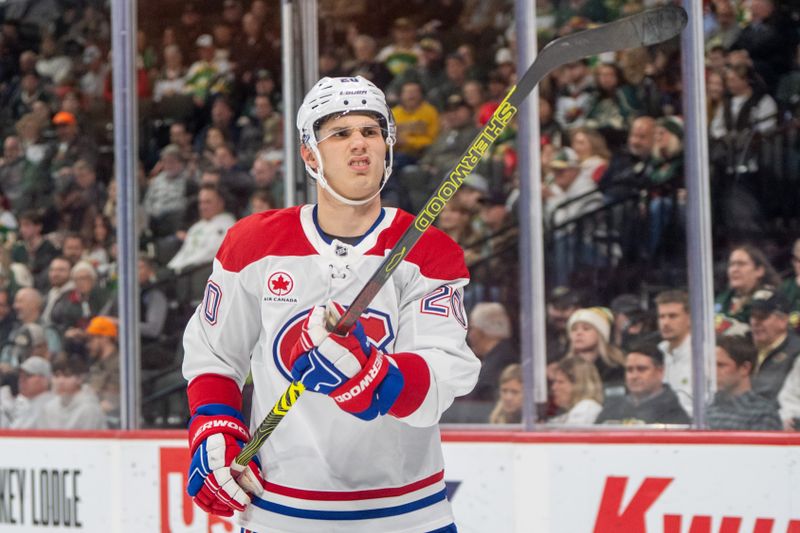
(665, 178)
(365, 64)
(675, 327)
(571, 195)
(504, 63)
(631, 321)
(68, 147)
(589, 331)
(203, 75)
(103, 351)
(648, 399)
(166, 199)
(778, 347)
(417, 124)
(33, 250)
(561, 303)
(458, 131)
(403, 52)
(736, 406)
(489, 336)
(35, 374)
(75, 405)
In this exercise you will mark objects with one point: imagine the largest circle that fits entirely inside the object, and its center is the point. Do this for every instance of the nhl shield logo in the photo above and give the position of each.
(377, 326)
(280, 284)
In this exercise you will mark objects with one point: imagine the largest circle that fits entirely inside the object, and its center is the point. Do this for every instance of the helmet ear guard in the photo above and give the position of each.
(339, 96)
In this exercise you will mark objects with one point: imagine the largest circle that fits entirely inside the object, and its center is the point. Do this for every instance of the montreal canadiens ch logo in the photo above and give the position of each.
(377, 326)
(280, 284)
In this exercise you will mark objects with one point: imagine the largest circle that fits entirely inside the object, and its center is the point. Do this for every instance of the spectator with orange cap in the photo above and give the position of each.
(69, 145)
(103, 352)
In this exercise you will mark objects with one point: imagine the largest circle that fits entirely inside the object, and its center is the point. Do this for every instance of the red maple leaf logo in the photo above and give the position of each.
(280, 284)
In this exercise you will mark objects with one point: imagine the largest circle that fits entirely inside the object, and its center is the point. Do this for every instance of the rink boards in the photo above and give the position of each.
(498, 482)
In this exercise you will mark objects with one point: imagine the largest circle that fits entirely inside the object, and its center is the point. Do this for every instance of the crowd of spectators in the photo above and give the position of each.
(208, 81)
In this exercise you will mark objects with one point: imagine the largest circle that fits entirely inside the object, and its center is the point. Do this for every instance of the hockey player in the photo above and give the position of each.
(360, 451)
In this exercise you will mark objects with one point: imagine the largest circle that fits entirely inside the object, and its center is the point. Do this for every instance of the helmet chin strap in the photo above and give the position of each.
(319, 176)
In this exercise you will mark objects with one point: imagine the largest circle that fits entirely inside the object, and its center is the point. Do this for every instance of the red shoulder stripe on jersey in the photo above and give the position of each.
(275, 232)
(436, 254)
(415, 387)
(213, 388)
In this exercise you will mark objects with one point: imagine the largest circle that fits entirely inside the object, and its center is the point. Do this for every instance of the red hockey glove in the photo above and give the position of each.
(216, 435)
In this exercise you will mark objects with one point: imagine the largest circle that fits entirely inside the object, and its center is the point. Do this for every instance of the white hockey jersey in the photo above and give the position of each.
(327, 470)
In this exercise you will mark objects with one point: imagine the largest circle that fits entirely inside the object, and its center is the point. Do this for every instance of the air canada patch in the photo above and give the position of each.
(279, 288)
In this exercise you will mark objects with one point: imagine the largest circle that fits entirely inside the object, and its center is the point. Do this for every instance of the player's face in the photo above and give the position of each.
(353, 151)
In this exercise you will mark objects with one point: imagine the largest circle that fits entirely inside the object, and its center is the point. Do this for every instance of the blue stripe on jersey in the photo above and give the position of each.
(327, 240)
(447, 529)
(351, 515)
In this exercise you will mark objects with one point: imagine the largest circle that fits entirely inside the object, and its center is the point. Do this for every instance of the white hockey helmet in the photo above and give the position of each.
(338, 96)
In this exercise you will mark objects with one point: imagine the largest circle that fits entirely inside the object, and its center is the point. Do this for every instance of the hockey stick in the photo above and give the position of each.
(643, 29)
